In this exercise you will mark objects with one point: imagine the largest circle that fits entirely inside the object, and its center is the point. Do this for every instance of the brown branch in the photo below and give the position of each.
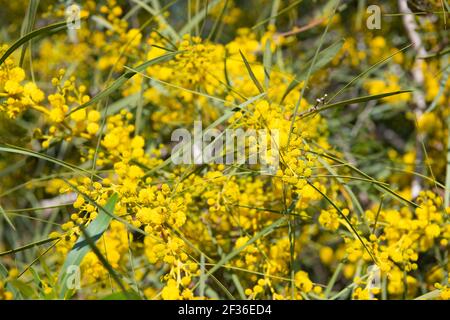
(297, 30)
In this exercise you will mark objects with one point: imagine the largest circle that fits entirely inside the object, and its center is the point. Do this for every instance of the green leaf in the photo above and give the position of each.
(28, 246)
(74, 258)
(218, 21)
(376, 183)
(267, 62)
(343, 216)
(437, 54)
(272, 17)
(197, 18)
(23, 290)
(19, 150)
(114, 275)
(3, 213)
(123, 295)
(39, 32)
(447, 173)
(38, 258)
(352, 101)
(250, 72)
(37, 282)
(369, 70)
(333, 279)
(310, 69)
(9, 286)
(430, 295)
(27, 25)
(157, 12)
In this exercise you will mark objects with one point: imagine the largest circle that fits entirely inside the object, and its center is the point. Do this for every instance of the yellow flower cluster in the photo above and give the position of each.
(217, 230)
(17, 96)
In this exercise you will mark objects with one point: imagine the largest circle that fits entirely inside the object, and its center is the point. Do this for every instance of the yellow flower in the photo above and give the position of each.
(432, 230)
(92, 128)
(31, 90)
(13, 87)
(170, 291)
(326, 255)
(302, 281)
(94, 116)
(56, 115)
(110, 141)
(79, 115)
(17, 74)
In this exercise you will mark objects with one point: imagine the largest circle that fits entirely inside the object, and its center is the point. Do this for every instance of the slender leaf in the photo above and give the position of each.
(27, 25)
(74, 258)
(314, 111)
(199, 17)
(252, 75)
(3, 213)
(39, 32)
(28, 246)
(19, 150)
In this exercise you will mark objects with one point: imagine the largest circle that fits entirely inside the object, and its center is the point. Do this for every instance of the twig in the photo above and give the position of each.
(296, 29)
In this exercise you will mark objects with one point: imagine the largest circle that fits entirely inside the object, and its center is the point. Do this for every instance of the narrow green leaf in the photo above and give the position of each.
(377, 216)
(157, 12)
(343, 216)
(314, 111)
(23, 151)
(437, 54)
(27, 26)
(3, 213)
(104, 261)
(368, 70)
(199, 17)
(429, 295)
(39, 257)
(104, 208)
(39, 32)
(252, 75)
(218, 21)
(376, 183)
(333, 279)
(310, 69)
(267, 62)
(121, 295)
(74, 258)
(323, 58)
(272, 17)
(447, 173)
(9, 286)
(28, 246)
(23, 289)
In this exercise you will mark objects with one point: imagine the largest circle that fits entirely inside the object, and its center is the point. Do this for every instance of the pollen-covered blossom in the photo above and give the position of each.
(17, 95)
